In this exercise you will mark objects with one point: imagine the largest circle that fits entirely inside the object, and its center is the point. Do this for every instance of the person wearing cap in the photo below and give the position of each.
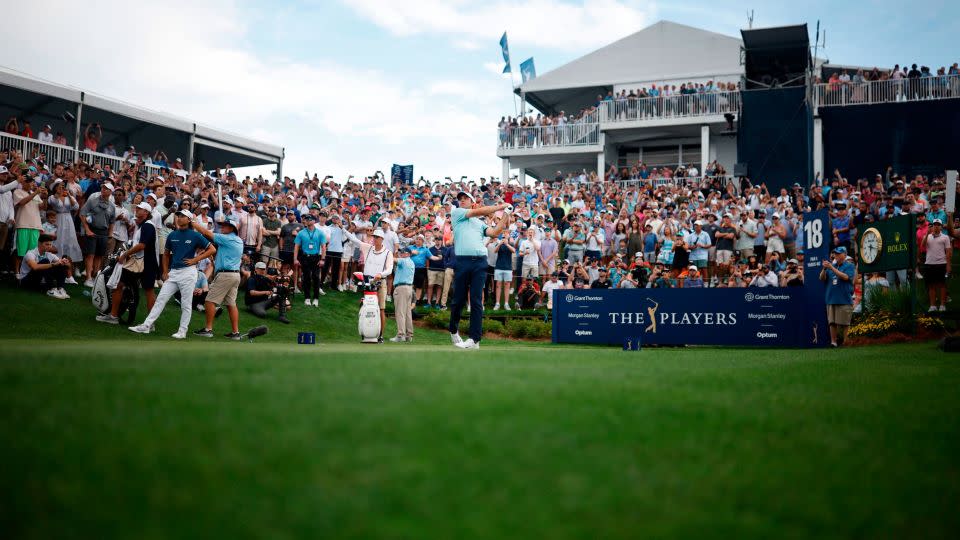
(937, 252)
(775, 234)
(46, 134)
(471, 266)
(765, 277)
(179, 272)
(698, 241)
(309, 251)
(203, 216)
(123, 223)
(726, 237)
(332, 261)
(747, 231)
(693, 279)
(26, 199)
(603, 279)
(251, 231)
(259, 296)
(288, 234)
(838, 274)
(139, 263)
(793, 275)
(403, 281)
(377, 265)
(840, 224)
(270, 248)
(226, 281)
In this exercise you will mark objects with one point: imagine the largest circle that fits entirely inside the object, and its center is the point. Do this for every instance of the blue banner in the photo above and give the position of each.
(816, 249)
(401, 174)
(770, 316)
(527, 70)
(505, 50)
(757, 316)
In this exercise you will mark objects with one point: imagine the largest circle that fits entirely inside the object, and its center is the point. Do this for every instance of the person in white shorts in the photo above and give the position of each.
(179, 267)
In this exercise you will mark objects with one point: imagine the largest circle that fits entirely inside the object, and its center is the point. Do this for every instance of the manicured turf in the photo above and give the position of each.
(111, 435)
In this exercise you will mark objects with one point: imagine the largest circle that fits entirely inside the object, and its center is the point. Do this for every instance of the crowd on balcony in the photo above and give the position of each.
(897, 84)
(654, 102)
(91, 141)
(59, 221)
(549, 130)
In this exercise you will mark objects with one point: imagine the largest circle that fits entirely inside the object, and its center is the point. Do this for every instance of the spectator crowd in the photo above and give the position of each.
(61, 223)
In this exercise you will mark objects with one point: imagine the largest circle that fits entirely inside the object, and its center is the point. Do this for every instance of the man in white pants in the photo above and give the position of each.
(179, 267)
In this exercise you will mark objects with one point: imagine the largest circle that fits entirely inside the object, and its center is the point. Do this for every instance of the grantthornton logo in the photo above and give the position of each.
(748, 297)
(569, 298)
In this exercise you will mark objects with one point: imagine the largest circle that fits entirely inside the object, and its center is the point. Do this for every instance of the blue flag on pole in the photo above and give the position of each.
(505, 49)
(527, 70)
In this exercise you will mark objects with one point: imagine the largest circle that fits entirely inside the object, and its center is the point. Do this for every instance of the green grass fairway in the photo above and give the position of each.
(106, 434)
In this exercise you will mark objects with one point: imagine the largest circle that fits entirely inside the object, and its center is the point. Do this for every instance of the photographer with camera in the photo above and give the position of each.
(223, 289)
(266, 289)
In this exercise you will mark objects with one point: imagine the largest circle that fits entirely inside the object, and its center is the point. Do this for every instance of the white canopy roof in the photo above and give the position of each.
(663, 51)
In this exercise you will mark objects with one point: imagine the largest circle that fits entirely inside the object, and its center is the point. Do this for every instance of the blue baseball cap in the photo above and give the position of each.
(840, 249)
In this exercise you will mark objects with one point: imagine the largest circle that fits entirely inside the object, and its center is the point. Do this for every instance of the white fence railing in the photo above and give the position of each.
(677, 106)
(889, 91)
(51, 153)
(32, 148)
(549, 136)
(658, 182)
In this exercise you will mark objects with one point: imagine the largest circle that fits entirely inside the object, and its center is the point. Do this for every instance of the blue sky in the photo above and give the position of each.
(351, 87)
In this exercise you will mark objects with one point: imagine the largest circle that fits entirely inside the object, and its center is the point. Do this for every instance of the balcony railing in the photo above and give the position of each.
(31, 148)
(550, 136)
(58, 153)
(676, 106)
(889, 91)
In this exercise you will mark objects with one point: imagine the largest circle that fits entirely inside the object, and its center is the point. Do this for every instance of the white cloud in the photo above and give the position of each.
(543, 23)
(330, 117)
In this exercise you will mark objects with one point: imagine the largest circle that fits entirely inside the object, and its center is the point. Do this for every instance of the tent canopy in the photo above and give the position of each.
(42, 102)
(660, 52)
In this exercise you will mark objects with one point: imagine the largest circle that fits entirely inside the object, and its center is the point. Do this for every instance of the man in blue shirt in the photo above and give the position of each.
(419, 254)
(223, 290)
(403, 296)
(841, 227)
(309, 251)
(838, 276)
(179, 267)
(471, 266)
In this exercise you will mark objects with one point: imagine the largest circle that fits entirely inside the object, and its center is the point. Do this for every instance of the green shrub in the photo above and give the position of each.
(438, 319)
(517, 328)
(493, 325)
(893, 301)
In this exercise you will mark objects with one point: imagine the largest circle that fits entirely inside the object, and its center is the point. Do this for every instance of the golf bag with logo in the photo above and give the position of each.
(102, 296)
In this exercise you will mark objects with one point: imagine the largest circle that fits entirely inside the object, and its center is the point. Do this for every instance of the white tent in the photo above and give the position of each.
(664, 51)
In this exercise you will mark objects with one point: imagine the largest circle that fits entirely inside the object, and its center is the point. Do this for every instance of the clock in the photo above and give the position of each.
(870, 245)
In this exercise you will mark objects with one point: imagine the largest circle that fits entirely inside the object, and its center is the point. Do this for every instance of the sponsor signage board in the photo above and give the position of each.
(769, 316)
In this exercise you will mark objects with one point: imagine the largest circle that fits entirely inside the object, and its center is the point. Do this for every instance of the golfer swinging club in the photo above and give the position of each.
(471, 264)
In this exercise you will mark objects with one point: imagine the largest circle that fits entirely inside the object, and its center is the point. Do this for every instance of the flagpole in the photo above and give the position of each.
(514, 93)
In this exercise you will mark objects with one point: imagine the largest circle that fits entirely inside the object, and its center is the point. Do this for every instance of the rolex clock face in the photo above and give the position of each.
(870, 245)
